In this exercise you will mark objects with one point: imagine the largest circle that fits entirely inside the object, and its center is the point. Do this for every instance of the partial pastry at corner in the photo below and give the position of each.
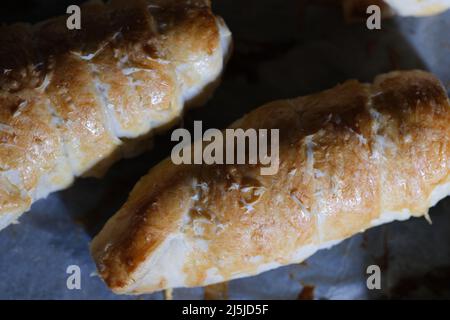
(356, 9)
(352, 157)
(74, 101)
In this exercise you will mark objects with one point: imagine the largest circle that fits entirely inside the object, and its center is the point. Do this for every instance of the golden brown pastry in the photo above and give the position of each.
(73, 101)
(351, 158)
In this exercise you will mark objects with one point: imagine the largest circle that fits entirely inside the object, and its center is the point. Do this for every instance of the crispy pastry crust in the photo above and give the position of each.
(351, 157)
(72, 102)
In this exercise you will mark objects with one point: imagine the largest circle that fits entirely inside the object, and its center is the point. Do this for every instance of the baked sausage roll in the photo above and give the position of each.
(350, 158)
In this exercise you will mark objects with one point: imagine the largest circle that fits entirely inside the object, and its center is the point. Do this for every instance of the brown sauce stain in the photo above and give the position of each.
(218, 291)
(307, 293)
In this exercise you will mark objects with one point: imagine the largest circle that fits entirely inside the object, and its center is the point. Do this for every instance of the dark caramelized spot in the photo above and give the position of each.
(424, 91)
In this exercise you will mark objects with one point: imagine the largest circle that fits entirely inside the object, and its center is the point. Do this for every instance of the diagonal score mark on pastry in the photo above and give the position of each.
(351, 157)
(73, 102)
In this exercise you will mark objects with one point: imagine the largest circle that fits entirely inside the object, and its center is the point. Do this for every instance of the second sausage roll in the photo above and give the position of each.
(350, 158)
